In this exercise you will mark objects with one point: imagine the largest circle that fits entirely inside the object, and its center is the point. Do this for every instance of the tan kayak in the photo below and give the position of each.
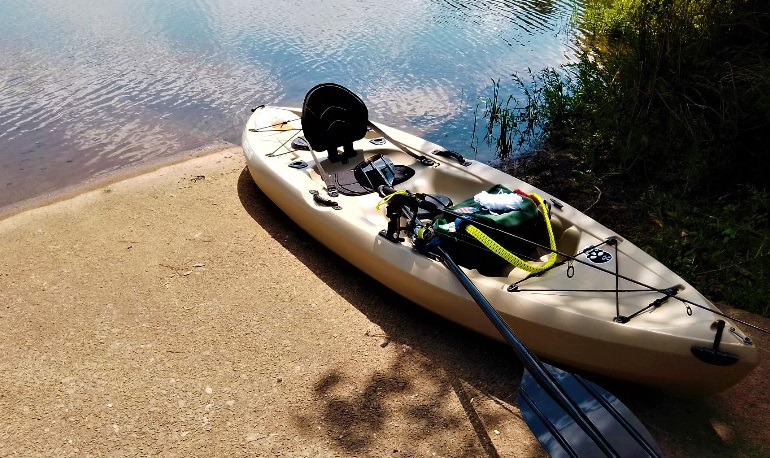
(587, 298)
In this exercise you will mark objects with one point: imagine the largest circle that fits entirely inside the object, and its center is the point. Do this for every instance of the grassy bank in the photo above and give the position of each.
(661, 129)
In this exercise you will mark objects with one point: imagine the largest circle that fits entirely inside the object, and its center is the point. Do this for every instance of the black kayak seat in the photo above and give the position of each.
(333, 117)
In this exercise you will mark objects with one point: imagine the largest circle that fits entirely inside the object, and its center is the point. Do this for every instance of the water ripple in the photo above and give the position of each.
(90, 87)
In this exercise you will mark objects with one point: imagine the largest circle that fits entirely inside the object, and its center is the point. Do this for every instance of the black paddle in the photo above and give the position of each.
(569, 415)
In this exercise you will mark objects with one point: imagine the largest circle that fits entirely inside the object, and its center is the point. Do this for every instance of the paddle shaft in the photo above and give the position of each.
(530, 361)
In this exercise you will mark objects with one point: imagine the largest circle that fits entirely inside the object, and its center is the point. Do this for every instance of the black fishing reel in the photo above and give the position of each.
(414, 207)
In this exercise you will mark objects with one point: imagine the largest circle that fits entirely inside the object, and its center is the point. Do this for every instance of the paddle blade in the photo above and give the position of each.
(563, 437)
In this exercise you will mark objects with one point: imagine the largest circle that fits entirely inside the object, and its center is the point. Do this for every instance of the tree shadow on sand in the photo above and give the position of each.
(461, 365)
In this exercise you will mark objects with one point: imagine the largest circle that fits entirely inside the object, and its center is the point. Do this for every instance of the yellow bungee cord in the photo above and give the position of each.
(510, 257)
(387, 198)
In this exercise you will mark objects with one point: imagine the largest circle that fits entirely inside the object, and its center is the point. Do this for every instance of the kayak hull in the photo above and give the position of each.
(566, 315)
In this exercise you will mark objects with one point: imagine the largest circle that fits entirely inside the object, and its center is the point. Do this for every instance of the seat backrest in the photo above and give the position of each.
(333, 116)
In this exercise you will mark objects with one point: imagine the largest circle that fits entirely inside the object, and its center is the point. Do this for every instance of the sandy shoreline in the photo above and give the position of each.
(104, 179)
(179, 313)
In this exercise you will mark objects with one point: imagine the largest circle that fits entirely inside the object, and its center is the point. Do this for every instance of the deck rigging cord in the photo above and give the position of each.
(273, 153)
(275, 125)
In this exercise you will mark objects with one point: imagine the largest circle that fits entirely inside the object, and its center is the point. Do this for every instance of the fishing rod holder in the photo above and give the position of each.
(394, 213)
(406, 205)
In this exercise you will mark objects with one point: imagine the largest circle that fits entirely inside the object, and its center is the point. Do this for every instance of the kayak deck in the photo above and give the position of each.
(568, 314)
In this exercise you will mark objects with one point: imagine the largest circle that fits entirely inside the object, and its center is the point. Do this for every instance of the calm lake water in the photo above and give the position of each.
(88, 88)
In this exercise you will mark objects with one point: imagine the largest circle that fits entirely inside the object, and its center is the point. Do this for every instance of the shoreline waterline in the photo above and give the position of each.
(107, 178)
(86, 89)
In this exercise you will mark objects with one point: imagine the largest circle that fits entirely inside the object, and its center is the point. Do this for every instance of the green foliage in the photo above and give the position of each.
(675, 93)
(678, 85)
(671, 98)
(722, 246)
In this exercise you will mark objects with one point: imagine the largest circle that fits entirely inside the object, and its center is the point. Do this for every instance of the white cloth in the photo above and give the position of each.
(499, 202)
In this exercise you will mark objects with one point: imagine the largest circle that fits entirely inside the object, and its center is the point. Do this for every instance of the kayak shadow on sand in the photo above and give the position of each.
(464, 365)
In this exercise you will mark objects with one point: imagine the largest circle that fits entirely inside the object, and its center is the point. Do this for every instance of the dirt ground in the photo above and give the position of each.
(180, 313)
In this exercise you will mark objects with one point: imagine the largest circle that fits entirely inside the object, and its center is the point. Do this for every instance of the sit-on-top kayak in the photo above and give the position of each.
(572, 290)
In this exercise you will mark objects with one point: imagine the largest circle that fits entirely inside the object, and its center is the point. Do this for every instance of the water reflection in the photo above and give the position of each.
(88, 87)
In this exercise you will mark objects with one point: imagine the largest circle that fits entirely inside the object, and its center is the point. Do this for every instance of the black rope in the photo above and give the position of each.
(559, 264)
(720, 313)
(274, 128)
(652, 305)
(273, 125)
